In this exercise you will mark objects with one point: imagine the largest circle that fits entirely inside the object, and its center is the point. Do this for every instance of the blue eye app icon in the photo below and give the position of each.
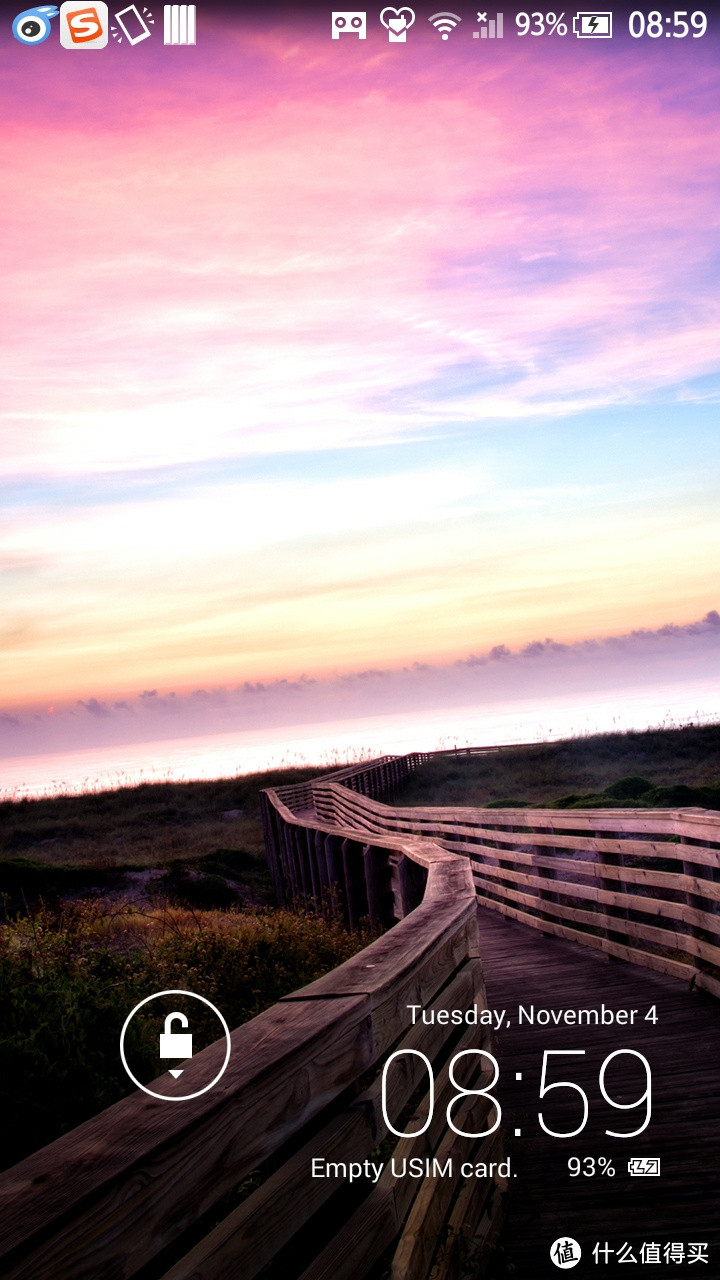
(32, 26)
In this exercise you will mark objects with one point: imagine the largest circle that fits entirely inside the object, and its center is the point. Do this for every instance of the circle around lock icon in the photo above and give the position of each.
(175, 1044)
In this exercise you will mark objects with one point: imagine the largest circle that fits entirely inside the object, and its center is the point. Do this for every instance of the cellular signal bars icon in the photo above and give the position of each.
(179, 24)
(492, 30)
(444, 23)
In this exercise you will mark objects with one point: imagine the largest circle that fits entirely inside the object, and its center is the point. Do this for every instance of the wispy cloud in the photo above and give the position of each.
(231, 288)
(322, 248)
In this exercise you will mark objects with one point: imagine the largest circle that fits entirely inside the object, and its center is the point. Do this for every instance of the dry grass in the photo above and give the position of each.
(204, 837)
(148, 825)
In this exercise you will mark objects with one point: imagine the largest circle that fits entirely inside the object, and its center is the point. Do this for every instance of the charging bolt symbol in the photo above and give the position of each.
(588, 26)
(647, 1167)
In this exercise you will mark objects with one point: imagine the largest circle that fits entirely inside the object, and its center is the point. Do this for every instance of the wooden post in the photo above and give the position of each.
(316, 888)
(272, 849)
(693, 900)
(336, 876)
(620, 886)
(378, 886)
(411, 879)
(611, 924)
(353, 868)
(322, 871)
(544, 874)
(287, 857)
(303, 863)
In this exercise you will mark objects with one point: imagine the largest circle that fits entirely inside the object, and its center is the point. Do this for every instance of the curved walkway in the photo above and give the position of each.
(523, 967)
(630, 885)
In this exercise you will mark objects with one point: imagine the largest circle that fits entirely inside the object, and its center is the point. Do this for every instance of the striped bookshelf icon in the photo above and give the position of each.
(179, 24)
(490, 30)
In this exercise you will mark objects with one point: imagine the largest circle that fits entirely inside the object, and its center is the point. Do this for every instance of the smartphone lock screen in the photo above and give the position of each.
(360, 639)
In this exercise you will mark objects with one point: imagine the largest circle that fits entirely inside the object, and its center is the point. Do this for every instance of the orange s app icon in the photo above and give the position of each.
(83, 26)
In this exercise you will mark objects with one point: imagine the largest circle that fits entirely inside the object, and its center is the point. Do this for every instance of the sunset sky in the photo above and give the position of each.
(328, 357)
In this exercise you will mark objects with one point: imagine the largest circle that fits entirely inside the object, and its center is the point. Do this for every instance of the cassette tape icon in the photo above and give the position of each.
(349, 22)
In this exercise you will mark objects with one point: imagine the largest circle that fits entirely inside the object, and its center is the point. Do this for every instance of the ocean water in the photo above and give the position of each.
(230, 754)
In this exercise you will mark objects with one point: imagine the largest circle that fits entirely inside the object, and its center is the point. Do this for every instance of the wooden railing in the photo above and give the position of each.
(152, 1188)
(639, 884)
(374, 778)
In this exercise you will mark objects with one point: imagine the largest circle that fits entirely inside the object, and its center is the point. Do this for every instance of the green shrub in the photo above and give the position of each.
(631, 788)
(681, 796)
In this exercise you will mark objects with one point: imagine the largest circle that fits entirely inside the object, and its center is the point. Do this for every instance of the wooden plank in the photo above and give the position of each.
(668, 822)
(672, 880)
(288, 862)
(412, 884)
(364, 1241)
(523, 965)
(407, 965)
(666, 937)
(505, 843)
(322, 868)
(643, 958)
(255, 1232)
(308, 835)
(267, 816)
(476, 1218)
(250, 1237)
(358, 1245)
(632, 821)
(486, 824)
(418, 1244)
(657, 907)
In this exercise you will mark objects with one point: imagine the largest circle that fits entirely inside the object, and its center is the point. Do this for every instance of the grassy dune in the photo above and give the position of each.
(678, 766)
(198, 843)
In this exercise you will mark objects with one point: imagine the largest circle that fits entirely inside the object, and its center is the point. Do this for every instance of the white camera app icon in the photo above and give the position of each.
(83, 26)
(349, 22)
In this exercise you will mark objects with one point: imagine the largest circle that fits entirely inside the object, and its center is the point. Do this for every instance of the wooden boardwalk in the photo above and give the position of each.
(524, 967)
(579, 911)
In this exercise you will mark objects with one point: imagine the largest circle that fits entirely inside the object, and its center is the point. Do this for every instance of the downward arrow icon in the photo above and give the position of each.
(176, 1071)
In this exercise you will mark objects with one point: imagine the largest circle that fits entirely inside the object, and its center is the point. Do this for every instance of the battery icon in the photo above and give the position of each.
(648, 1167)
(589, 26)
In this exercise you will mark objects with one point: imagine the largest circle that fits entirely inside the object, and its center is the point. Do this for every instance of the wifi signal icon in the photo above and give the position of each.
(445, 23)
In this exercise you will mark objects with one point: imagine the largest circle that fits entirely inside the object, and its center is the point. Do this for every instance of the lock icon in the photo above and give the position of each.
(175, 1044)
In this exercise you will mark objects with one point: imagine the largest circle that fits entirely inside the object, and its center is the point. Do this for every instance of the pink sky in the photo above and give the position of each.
(326, 357)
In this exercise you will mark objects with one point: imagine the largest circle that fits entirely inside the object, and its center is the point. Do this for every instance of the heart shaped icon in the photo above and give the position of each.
(397, 20)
